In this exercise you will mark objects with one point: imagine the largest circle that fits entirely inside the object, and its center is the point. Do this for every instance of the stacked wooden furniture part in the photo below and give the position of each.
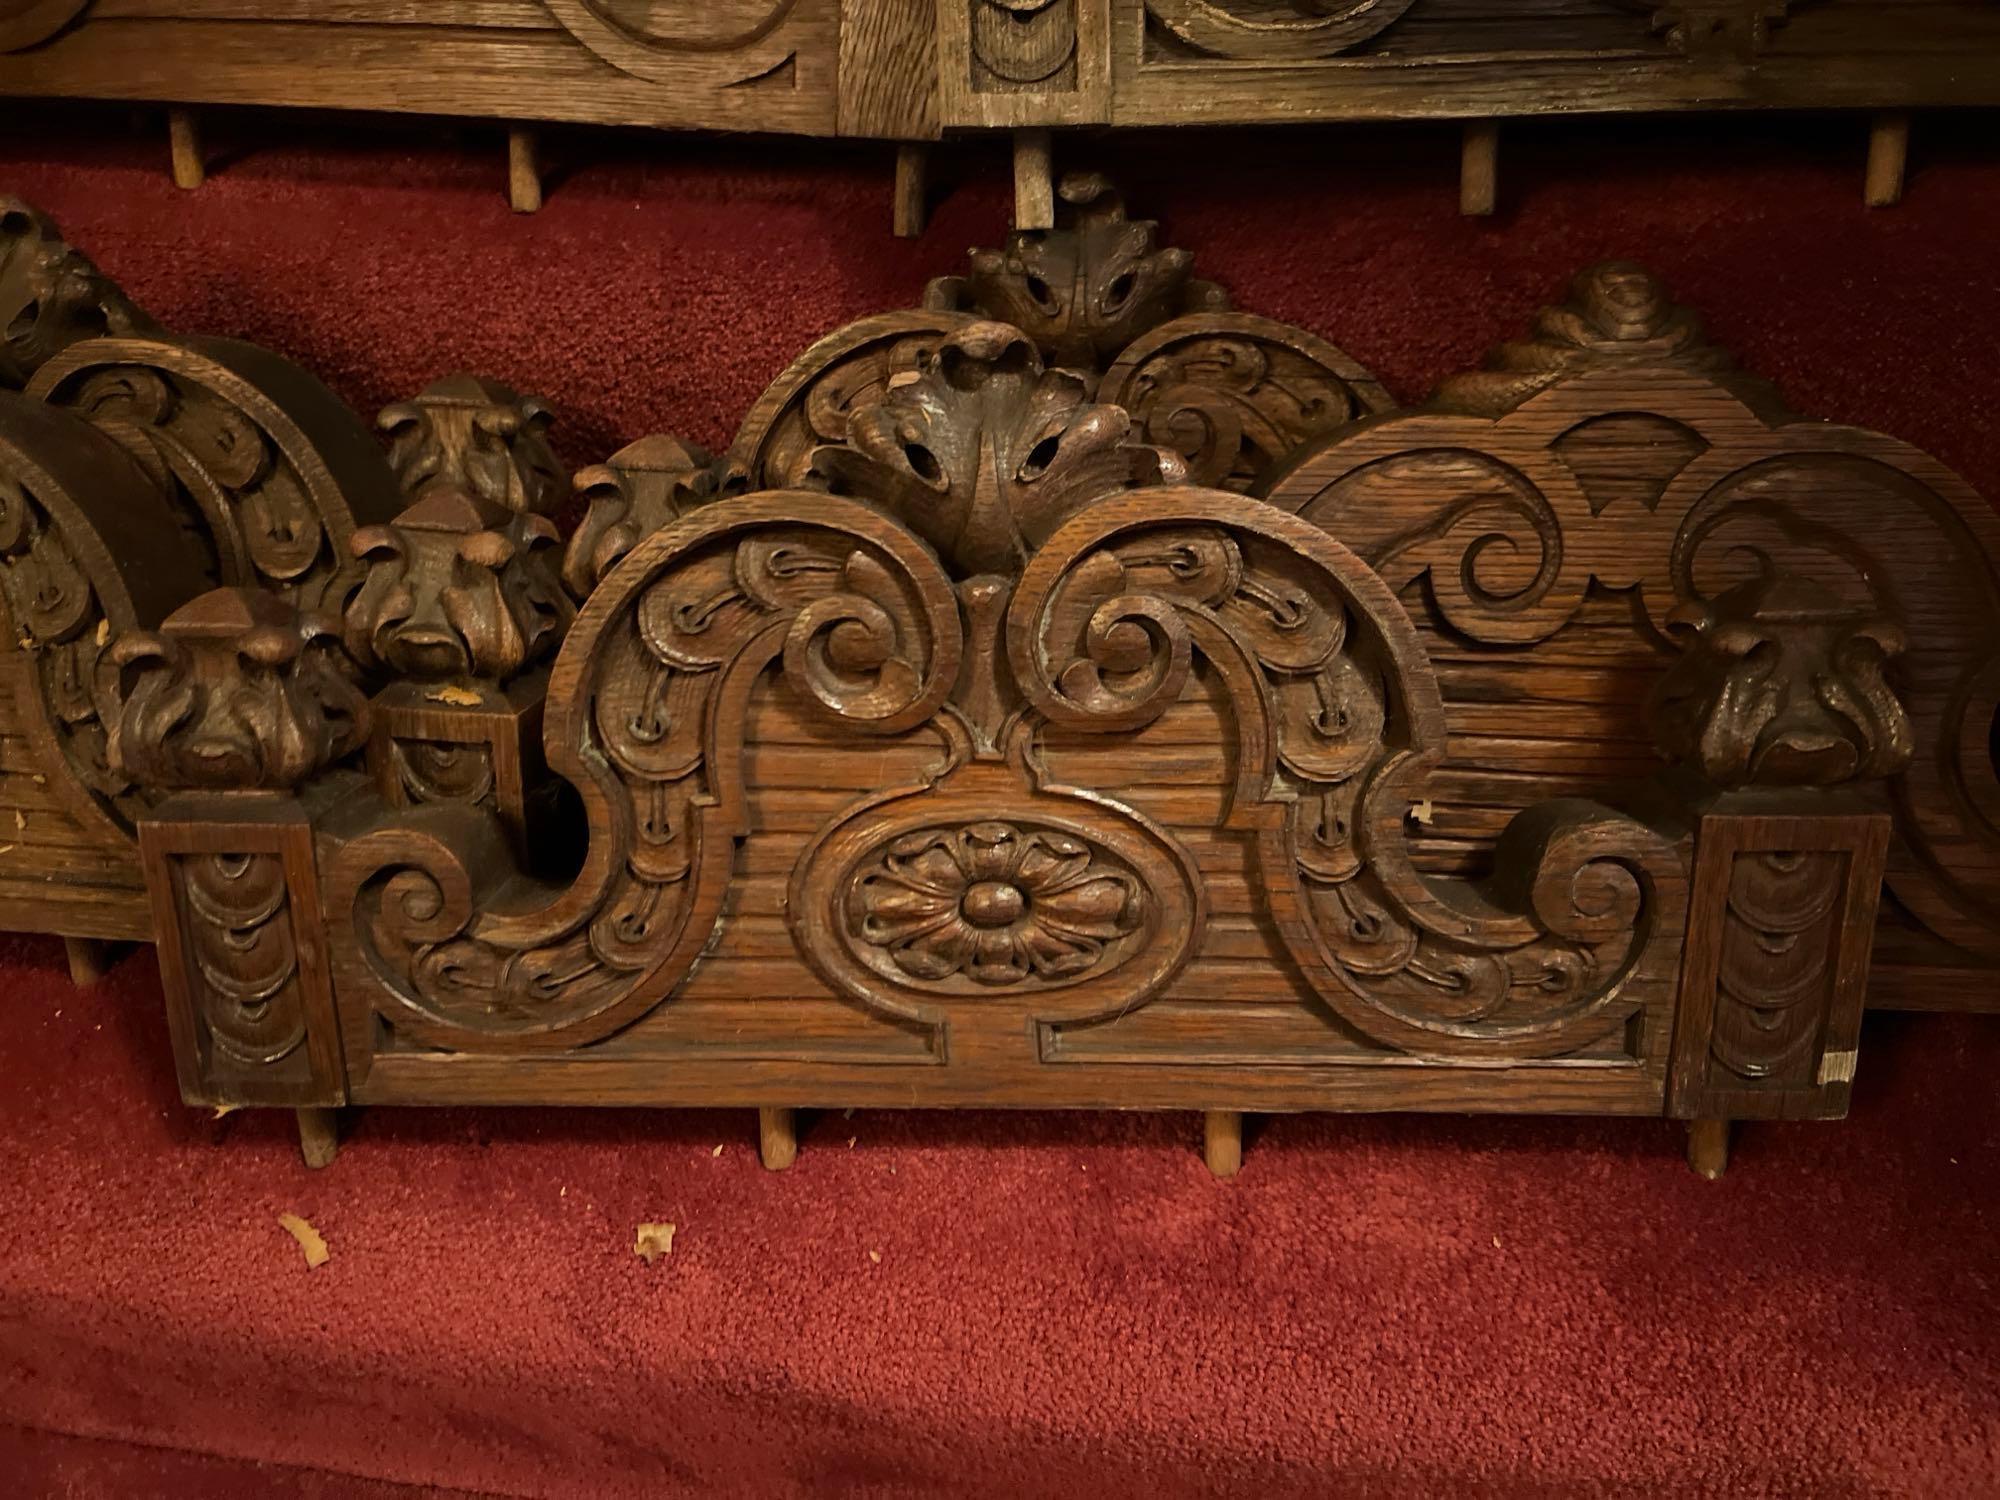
(912, 70)
(1074, 692)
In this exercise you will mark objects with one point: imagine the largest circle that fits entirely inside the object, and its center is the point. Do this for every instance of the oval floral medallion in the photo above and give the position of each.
(995, 902)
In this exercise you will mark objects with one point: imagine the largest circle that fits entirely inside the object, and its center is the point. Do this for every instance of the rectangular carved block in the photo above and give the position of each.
(481, 748)
(236, 908)
(1775, 969)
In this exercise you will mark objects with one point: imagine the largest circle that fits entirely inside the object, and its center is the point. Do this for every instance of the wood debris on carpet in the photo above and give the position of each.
(653, 1241)
(310, 1240)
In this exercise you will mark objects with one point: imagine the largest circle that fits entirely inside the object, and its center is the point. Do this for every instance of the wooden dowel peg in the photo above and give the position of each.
(1222, 1141)
(89, 960)
(1708, 1147)
(1034, 181)
(319, 1135)
(524, 171)
(912, 157)
(1479, 168)
(184, 138)
(777, 1138)
(1888, 158)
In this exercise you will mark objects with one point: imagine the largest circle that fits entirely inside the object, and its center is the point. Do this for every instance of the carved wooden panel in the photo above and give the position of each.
(1187, 61)
(742, 64)
(1777, 962)
(1024, 62)
(1546, 517)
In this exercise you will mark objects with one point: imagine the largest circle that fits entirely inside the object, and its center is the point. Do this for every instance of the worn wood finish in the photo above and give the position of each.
(1072, 692)
(524, 170)
(319, 1135)
(1546, 516)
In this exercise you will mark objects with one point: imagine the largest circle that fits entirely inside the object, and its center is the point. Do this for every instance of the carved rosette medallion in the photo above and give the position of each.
(985, 885)
(241, 949)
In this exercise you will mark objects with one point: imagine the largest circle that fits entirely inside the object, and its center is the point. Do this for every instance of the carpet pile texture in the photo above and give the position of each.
(993, 1304)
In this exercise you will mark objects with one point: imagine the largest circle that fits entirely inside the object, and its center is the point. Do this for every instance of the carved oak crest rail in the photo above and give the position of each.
(1069, 692)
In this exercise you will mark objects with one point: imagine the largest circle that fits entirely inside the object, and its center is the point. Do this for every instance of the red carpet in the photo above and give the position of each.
(1061, 1304)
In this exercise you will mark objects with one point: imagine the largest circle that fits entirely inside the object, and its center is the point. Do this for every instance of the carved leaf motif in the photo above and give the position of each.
(469, 433)
(1085, 289)
(457, 589)
(985, 453)
(1776, 961)
(1782, 686)
(647, 485)
(51, 296)
(1276, 29)
(235, 691)
(995, 902)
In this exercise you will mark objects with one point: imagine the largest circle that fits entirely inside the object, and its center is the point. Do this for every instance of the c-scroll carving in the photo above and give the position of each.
(1290, 31)
(51, 294)
(450, 943)
(1339, 722)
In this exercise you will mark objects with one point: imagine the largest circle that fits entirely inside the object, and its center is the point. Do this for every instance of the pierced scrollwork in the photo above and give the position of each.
(1340, 722)
(644, 486)
(986, 453)
(51, 294)
(236, 691)
(1085, 289)
(865, 628)
(1783, 685)
(467, 432)
(457, 588)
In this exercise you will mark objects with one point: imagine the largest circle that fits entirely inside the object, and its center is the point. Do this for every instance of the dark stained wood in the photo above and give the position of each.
(1544, 518)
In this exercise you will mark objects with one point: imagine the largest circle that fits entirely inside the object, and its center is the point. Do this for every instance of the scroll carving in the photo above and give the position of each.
(235, 691)
(51, 294)
(469, 433)
(1290, 30)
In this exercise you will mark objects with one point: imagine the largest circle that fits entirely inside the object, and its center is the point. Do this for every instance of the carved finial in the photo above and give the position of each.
(985, 453)
(1085, 289)
(51, 295)
(1783, 685)
(644, 486)
(1617, 313)
(457, 589)
(468, 432)
(236, 691)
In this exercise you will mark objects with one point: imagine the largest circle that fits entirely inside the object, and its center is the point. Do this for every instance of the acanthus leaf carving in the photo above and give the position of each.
(236, 691)
(1085, 289)
(644, 486)
(457, 588)
(471, 433)
(985, 453)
